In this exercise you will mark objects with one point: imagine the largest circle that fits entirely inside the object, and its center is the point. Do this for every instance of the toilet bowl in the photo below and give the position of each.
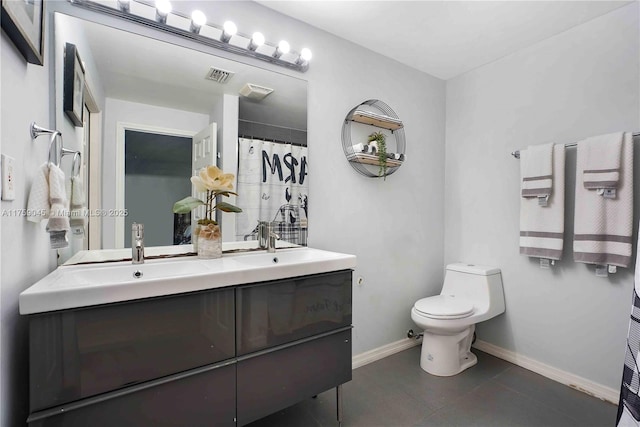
(470, 294)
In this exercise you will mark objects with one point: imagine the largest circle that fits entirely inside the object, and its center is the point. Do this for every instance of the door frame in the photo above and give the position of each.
(93, 159)
(121, 128)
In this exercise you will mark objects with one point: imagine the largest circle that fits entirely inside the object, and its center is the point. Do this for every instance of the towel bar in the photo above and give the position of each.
(516, 153)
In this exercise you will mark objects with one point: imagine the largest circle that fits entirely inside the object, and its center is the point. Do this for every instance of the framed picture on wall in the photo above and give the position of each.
(23, 21)
(73, 102)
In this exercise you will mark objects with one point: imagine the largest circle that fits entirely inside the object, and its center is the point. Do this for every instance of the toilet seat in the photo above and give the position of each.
(444, 307)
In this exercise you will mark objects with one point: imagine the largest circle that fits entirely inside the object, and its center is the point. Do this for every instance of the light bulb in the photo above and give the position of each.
(257, 40)
(198, 19)
(306, 54)
(283, 47)
(163, 8)
(229, 29)
(305, 57)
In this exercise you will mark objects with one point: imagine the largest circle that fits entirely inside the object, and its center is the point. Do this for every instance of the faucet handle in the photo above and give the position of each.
(137, 231)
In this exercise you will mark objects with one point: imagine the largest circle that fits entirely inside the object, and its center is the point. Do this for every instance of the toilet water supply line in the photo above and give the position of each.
(411, 334)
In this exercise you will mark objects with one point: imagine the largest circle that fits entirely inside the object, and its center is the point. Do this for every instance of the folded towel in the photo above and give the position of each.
(603, 226)
(38, 203)
(542, 227)
(601, 161)
(358, 148)
(536, 170)
(58, 213)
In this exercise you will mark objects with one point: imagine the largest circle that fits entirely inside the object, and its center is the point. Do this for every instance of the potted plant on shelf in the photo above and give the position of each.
(207, 240)
(380, 141)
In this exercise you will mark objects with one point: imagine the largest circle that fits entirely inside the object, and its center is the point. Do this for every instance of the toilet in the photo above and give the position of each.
(470, 294)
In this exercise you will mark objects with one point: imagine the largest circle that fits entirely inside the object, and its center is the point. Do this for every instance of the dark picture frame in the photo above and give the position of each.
(24, 24)
(73, 96)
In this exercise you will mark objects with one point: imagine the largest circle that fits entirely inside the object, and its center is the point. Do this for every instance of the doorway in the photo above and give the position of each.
(157, 171)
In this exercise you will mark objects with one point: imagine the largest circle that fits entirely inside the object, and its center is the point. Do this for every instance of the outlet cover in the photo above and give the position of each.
(8, 178)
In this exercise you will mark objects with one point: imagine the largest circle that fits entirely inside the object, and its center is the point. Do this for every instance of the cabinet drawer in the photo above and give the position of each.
(274, 313)
(80, 353)
(194, 400)
(273, 380)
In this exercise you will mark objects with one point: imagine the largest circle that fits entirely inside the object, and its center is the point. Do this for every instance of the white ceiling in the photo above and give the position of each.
(444, 38)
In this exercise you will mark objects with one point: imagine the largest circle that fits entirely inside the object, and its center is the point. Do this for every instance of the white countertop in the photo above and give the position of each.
(75, 286)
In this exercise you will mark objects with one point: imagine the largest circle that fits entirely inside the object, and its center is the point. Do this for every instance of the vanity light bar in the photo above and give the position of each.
(224, 38)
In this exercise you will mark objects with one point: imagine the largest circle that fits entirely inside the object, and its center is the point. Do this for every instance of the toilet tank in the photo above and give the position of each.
(481, 285)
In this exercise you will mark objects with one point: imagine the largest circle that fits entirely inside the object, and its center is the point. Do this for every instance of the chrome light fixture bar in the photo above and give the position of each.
(160, 16)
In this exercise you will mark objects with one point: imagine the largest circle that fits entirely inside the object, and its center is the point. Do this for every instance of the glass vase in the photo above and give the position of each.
(195, 233)
(209, 242)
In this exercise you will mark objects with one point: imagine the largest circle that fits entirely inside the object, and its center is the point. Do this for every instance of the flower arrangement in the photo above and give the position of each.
(212, 181)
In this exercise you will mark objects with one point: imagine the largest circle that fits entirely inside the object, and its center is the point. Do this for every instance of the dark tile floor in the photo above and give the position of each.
(395, 392)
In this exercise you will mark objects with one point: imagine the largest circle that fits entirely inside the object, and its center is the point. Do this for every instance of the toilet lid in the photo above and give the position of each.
(444, 307)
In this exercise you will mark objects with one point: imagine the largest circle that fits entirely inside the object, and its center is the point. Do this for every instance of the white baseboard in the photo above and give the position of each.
(581, 384)
(382, 352)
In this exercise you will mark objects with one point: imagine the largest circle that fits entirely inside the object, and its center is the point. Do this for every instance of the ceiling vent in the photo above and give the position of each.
(219, 75)
(256, 92)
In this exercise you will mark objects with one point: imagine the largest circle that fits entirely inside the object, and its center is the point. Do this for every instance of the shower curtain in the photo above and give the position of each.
(629, 406)
(272, 186)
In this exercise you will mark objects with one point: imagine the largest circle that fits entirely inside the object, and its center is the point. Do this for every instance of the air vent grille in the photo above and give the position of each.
(219, 75)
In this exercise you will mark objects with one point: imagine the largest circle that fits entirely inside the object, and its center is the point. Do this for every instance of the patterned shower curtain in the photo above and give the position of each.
(629, 406)
(272, 186)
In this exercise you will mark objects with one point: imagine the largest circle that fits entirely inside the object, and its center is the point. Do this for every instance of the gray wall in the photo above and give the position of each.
(26, 256)
(580, 83)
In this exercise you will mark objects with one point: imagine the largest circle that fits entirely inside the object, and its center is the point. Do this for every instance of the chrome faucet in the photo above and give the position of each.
(271, 241)
(137, 243)
(266, 236)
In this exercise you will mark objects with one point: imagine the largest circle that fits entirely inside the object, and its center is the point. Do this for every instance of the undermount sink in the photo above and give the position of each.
(77, 286)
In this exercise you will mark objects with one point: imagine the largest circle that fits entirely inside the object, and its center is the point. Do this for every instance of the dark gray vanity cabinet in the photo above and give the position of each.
(136, 362)
(293, 341)
(219, 357)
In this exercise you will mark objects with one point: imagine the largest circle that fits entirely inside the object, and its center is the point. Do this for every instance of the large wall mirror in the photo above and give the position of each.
(151, 108)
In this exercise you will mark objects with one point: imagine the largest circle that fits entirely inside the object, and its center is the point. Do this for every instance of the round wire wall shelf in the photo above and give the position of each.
(379, 115)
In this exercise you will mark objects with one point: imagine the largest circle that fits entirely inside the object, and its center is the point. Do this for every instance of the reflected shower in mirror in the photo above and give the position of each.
(156, 112)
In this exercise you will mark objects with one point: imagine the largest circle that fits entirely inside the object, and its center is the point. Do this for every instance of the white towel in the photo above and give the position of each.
(542, 227)
(536, 170)
(58, 224)
(601, 161)
(603, 226)
(38, 203)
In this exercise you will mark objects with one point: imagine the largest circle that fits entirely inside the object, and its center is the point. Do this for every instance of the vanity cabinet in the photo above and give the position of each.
(218, 357)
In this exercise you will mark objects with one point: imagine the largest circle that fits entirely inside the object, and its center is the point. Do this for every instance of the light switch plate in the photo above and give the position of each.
(8, 178)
